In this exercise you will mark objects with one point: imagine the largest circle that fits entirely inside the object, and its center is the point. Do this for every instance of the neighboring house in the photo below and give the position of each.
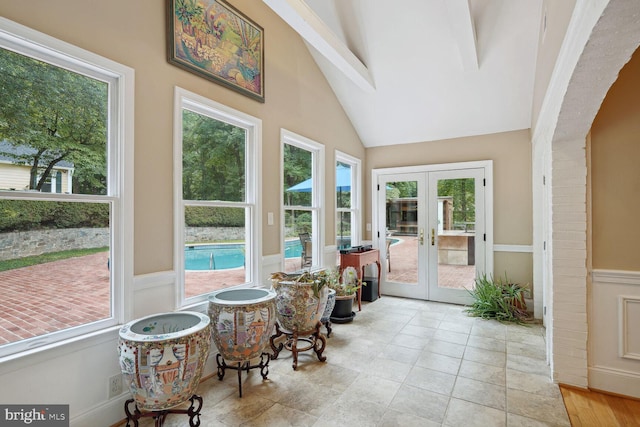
(15, 176)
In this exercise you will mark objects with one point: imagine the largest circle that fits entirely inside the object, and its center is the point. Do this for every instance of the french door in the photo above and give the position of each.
(432, 230)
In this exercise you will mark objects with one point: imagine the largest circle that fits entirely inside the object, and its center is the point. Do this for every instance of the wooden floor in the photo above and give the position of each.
(588, 408)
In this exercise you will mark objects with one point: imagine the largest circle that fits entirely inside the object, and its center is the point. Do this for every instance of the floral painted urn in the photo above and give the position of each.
(162, 357)
(326, 315)
(299, 304)
(242, 322)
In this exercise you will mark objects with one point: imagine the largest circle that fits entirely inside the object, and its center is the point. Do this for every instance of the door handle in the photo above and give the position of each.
(433, 237)
(421, 239)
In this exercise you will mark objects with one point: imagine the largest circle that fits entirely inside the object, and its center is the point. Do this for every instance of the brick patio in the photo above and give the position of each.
(58, 295)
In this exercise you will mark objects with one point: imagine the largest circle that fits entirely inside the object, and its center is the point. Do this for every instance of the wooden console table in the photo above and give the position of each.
(359, 260)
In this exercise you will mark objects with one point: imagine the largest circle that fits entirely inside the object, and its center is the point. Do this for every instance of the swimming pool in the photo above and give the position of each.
(223, 256)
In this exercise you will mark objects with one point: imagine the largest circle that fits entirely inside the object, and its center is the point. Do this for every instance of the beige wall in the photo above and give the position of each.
(511, 155)
(133, 33)
(558, 14)
(615, 174)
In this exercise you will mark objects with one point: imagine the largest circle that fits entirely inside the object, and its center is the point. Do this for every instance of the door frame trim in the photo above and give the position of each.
(488, 200)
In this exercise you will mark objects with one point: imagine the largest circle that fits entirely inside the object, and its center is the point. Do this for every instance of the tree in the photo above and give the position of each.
(54, 115)
(213, 159)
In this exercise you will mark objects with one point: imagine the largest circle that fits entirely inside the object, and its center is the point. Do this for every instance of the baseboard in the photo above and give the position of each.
(103, 414)
(615, 381)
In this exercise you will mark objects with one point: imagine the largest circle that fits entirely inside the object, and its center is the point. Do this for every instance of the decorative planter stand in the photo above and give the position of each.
(242, 321)
(325, 319)
(299, 308)
(161, 357)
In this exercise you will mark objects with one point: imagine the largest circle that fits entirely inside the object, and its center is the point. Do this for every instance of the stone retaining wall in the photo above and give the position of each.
(37, 242)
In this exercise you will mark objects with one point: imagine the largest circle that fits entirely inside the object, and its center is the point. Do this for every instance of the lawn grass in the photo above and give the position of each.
(41, 259)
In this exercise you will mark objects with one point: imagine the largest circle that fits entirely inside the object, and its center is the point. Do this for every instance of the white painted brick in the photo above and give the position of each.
(564, 334)
(573, 380)
(577, 352)
(572, 325)
(562, 253)
(563, 316)
(570, 236)
(569, 308)
(569, 271)
(559, 209)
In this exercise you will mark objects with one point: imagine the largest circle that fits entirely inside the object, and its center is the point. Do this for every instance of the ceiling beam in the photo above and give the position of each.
(464, 32)
(316, 33)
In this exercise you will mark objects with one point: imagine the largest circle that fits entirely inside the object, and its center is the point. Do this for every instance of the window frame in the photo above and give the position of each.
(253, 190)
(120, 152)
(317, 200)
(356, 197)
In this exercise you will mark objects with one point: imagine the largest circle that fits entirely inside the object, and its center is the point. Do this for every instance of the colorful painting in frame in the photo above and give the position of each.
(213, 39)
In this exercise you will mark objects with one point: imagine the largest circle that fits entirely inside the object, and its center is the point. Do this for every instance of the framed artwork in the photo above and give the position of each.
(216, 41)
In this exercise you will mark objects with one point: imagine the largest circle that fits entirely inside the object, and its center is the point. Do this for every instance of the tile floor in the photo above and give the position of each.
(399, 363)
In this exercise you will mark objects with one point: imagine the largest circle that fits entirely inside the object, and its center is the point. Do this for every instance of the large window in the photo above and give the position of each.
(302, 163)
(348, 219)
(65, 153)
(217, 158)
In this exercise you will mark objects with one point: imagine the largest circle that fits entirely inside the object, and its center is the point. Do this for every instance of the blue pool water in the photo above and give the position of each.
(227, 255)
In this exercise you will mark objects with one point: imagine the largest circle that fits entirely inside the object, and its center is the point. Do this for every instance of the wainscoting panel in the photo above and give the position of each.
(614, 332)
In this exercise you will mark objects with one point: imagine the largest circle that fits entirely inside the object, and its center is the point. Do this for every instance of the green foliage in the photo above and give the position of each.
(297, 168)
(213, 159)
(204, 216)
(498, 299)
(24, 215)
(49, 257)
(59, 115)
(462, 191)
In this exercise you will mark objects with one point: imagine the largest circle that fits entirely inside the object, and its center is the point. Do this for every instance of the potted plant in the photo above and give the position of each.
(346, 288)
(498, 299)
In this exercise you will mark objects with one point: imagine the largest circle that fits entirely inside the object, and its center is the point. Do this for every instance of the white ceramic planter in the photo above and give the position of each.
(242, 322)
(162, 356)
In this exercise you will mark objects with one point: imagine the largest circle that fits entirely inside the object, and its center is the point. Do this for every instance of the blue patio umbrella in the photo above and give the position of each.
(343, 181)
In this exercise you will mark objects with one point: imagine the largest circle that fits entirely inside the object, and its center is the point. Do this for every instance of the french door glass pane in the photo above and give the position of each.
(402, 232)
(456, 233)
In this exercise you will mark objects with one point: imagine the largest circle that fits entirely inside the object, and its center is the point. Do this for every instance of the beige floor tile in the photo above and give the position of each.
(373, 389)
(468, 414)
(480, 392)
(450, 336)
(431, 380)
(418, 331)
(421, 403)
(400, 354)
(396, 418)
(458, 327)
(445, 348)
(279, 415)
(531, 365)
(533, 383)
(439, 362)
(488, 357)
(541, 408)
(425, 322)
(410, 341)
(520, 349)
(514, 420)
(487, 343)
(389, 369)
(350, 410)
(481, 372)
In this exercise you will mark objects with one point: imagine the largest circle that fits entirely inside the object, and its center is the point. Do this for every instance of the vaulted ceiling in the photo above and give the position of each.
(422, 70)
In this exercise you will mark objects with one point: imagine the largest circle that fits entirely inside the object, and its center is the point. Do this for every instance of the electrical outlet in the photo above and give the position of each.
(115, 385)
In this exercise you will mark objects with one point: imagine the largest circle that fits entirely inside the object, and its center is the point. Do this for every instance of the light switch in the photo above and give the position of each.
(269, 218)
(368, 227)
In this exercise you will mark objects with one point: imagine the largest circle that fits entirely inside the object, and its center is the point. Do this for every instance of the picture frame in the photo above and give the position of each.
(214, 40)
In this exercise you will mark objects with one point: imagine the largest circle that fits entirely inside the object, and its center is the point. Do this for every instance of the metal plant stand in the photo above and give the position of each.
(159, 416)
(243, 366)
(314, 339)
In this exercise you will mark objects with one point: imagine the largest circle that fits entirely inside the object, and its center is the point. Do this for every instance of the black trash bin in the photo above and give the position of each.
(370, 291)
